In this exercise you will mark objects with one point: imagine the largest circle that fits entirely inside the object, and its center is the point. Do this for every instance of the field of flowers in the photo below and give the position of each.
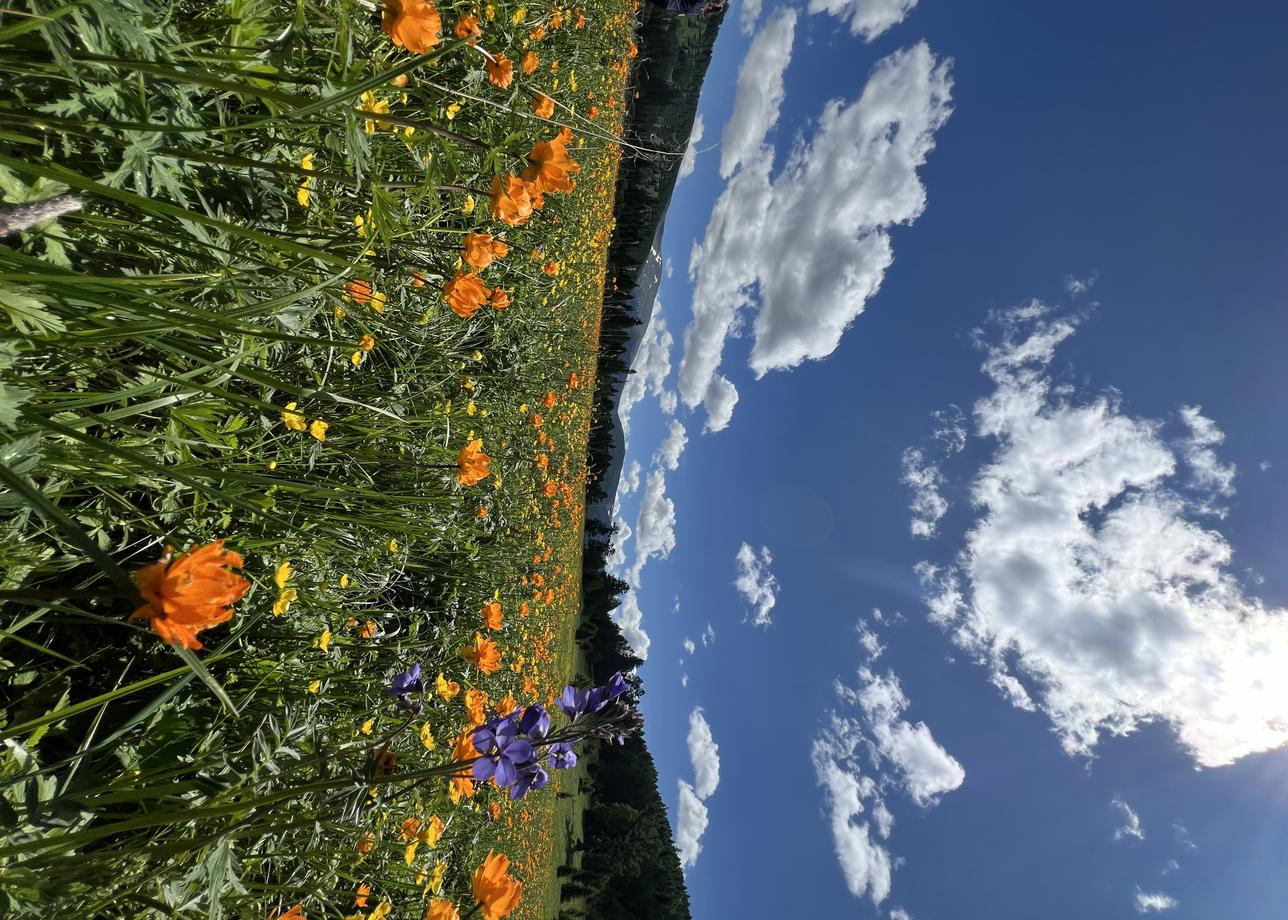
(298, 321)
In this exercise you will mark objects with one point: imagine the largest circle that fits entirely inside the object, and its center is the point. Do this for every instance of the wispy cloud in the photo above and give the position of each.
(1155, 902)
(756, 583)
(693, 818)
(1131, 821)
(868, 18)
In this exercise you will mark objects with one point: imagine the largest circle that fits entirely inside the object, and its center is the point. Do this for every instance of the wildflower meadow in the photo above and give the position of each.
(299, 314)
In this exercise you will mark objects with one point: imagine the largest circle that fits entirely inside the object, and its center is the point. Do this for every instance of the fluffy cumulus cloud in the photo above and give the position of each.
(655, 526)
(756, 584)
(808, 247)
(1154, 902)
(668, 454)
(630, 619)
(690, 825)
(760, 92)
(617, 558)
(868, 18)
(865, 752)
(1130, 826)
(652, 366)
(690, 158)
(749, 14)
(1090, 584)
(631, 478)
(704, 754)
(689, 646)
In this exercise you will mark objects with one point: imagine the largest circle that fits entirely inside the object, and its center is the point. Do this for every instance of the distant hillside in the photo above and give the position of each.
(662, 102)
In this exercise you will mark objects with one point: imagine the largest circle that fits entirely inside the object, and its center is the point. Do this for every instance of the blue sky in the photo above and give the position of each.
(1023, 287)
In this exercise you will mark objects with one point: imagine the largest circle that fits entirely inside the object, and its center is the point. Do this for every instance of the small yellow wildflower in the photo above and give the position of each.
(427, 739)
(436, 880)
(344, 581)
(366, 726)
(409, 854)
(370, 103)
(357, 358)
(468, 205)
(315, 686)
(453, 110)
(292, 419)
(324, 640)
(393, 546)
(302, 193)
(284, 601)
(272, 464)
(283, 574)
(318, 429)
(518, 16)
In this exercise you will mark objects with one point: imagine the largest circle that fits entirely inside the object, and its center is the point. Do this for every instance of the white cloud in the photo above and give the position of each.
(1131, 821)
(704, 754)
(617, 558)
(868, 18)
(809, 247)
(1078, 286)
(690, 827)
(669, 267)
(631, 479)
(865, 864)
(652, 366)
(1147, 903)
(689, 161)
(896, 754)
(756, 583)
(1210, 474)
(750, 13)
(900, 914)
(760, 91)
(630, 620)
(950, 429)
(684, 680)
(655, 526)
(668, 454)
(925, 480)
(689, 645)
(1084, 586)
(708, 635)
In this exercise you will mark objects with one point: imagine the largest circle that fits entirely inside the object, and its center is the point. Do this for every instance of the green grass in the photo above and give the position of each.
(150, 343)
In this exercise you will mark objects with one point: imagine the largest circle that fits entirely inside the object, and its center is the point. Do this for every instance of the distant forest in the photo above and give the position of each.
(629, 866)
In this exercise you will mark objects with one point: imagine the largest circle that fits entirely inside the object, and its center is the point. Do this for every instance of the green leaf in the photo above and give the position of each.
(27, 312)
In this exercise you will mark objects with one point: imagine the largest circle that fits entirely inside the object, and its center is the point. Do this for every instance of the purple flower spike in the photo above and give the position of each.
(562, 756)
(535, 722)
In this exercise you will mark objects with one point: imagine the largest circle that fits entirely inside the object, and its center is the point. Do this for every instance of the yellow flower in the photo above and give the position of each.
(315, 686)
(468, 205)
(446, 688)
(427, 739)
(318, 429)
(470, 408)
(324, 640)
(284, 601)
(393, 546)
(436, 880)
(432, 830)
(382, 910)
(409, 853)
(366, 726)
(490, 12)
(302, 193)
(453, 110)
(283, 574)
(272, 464)
(357, 358)
(344, 581)
(518, 16)
(292, 419)
(375, 106)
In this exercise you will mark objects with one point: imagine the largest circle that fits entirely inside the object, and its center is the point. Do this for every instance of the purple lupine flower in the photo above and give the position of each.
(502, 753)
(532, 776)
(405, 684)
(616, 686)
(562, 756)
(535, 722)
(573, 701)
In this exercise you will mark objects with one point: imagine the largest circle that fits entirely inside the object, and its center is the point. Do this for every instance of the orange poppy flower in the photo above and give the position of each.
(552, 168)
(468, 27)
(360, 899)
(417, 278)
(482, 249)
(463, 748)
(544, 106)
(412, 24)
(497, 893)
(472, 465)
(295, 913)
(543, 461)
(511, 201)
(537, 420)
(483, 654)
(550, 269)
(409, 829)
(500, 71)
(492, 616)
(442, 909)
(507, 705)
(500, 299)
(465, 294)
(524, 610)
(530, 62)
(460, 787)
(550, 400)
(574, 381)
(195, 592)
